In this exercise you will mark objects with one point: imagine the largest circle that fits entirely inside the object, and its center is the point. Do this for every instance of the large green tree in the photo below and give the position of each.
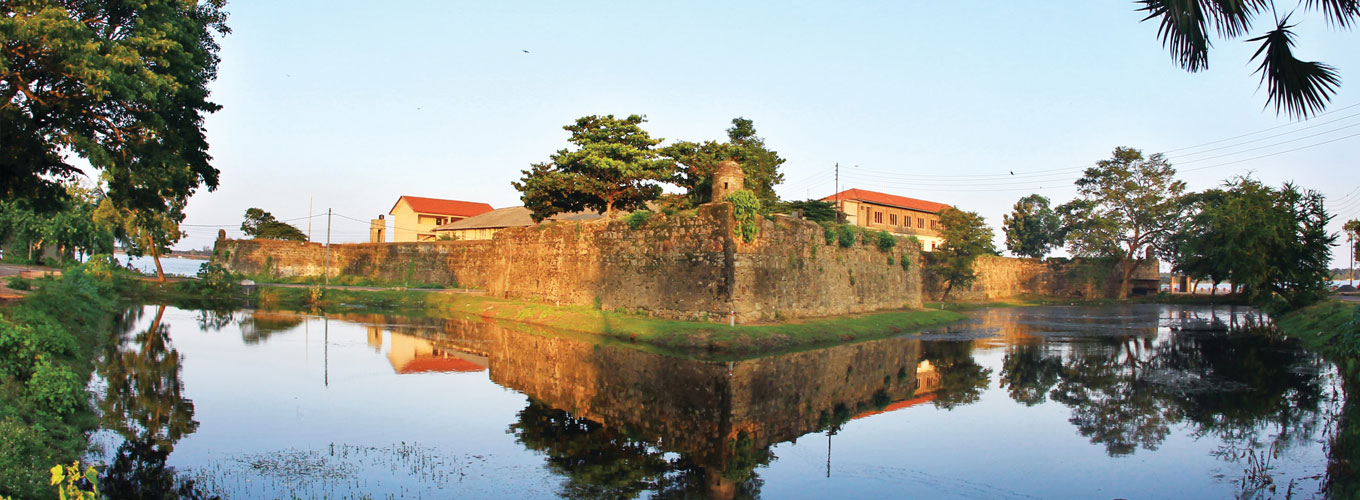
(966, 237)
(1352, 229)
(1299, 88)
(615, 166)
(1032, 228)
(260, 224)
(1270, 243)
(122, 85)
(1126, 205)
(697, 161)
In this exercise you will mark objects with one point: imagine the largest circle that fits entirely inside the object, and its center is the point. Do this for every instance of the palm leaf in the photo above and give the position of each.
(1340, 12)
(1183, 29)
(1300, 88)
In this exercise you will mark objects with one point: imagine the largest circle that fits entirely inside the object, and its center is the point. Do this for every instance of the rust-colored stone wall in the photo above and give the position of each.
(1005, 277)
(683, 266)
(451, 263)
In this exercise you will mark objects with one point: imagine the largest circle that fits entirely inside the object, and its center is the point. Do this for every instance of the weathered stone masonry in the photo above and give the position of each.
(677, 266)
(1006, 277)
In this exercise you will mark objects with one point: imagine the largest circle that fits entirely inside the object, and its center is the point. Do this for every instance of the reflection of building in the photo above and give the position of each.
(895, 214)
(482, 226)
(411, 354)
(414, 218)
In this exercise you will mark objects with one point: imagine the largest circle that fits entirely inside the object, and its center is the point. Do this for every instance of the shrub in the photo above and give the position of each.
(54, 389)
(746, 211)
(886, 241)
(845, 235)
(906, 264)
(18, 283)
(638, 219)
(829, 231)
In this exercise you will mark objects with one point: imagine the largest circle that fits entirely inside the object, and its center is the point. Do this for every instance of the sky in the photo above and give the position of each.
(343, 106)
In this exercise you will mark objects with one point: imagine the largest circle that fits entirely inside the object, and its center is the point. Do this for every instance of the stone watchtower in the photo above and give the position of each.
(728, 179)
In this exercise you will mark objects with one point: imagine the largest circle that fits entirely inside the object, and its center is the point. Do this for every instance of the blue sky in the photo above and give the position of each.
(351, 106)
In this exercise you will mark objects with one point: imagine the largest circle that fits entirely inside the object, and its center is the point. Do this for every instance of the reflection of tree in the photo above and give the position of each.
(260, 326)
(1110, 403)
(145, 403)
(603, 462)
(962, 380)
(1027, 373)
(139, 471)
(214, 320)
(145, 399)
(1127, 392)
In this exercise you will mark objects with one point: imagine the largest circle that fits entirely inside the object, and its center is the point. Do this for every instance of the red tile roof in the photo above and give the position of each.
(443, 207)
(426, 364)
(906, 403)
(891, 200)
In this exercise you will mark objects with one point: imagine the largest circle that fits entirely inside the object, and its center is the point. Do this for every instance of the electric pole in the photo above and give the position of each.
(838, 193)
(309, 219)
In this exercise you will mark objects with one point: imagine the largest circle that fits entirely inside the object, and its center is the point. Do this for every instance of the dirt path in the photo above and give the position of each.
(8, 270)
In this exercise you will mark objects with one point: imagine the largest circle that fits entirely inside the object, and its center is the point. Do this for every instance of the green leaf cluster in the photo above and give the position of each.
(67, 225)
(615, 166)
(262, 225)
(123, 85)
(696, 163)
(1271, 242)
(966, 237)
(1032, 228)
(746, 211)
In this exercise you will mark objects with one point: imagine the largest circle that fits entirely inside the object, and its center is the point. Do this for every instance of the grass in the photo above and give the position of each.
(684, 338)
(48, 342)
(1331, 327)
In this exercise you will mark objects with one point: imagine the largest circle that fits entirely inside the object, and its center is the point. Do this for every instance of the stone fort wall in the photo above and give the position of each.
(1006, 277)
(681, 266)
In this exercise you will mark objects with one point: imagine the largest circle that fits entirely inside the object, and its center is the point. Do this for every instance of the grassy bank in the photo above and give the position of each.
(689, 338)
(1039, 300)
(48, 342)
(1330, 327)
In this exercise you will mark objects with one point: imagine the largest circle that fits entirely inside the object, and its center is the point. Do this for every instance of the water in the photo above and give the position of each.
(1139, 401)
(172, 266)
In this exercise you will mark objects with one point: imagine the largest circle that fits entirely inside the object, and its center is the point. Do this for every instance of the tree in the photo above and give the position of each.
(615, 166)
(1032, 228)
(68, 227)
(262, 225)
(1270, 242)
(121, 85)
(696, 163)
(966, 236)
(1297, 87)
(1352, 230)
(813, 210)
(1126, 205)
(144, 231)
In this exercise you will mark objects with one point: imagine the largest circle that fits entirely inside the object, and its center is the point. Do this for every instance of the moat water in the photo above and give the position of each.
(1140, 401)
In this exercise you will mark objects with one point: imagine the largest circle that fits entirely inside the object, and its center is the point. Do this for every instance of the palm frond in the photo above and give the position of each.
(1183, 29)
(1300, 88)
(1232, 18)
(1339, 12)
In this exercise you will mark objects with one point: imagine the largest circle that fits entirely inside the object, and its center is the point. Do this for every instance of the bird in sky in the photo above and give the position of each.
(525, 51)
(1012, 172)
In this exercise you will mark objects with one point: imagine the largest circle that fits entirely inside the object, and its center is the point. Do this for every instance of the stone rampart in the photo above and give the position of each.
(1006, 277)
(681, 266)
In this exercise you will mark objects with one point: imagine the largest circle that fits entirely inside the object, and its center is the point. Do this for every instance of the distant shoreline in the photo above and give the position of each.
(173, 255)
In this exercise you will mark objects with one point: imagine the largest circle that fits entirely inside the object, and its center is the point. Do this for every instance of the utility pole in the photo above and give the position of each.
(309, 218)
(838, 193)
(328, 248)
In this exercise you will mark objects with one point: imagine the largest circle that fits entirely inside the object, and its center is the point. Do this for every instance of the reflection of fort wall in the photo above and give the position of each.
(689, 406)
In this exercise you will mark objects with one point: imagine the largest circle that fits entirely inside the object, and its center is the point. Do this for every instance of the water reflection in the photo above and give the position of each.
(144, 403)
(608, 420)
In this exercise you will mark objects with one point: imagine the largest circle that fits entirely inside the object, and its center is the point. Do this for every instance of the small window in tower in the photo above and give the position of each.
(724, 185)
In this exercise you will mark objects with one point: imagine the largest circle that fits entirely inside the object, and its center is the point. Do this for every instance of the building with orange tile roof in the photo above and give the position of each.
(414, 218)
(899, 215)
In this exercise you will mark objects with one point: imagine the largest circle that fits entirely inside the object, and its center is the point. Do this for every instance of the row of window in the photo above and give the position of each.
(892, 221)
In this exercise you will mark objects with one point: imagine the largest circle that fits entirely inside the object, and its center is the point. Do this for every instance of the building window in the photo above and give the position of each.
(878, 217)
(934, 224)
(892, 219)
(920, 222)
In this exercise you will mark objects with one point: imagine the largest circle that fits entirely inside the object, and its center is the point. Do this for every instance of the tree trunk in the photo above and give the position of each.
(156, 257)
(1129, 265)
